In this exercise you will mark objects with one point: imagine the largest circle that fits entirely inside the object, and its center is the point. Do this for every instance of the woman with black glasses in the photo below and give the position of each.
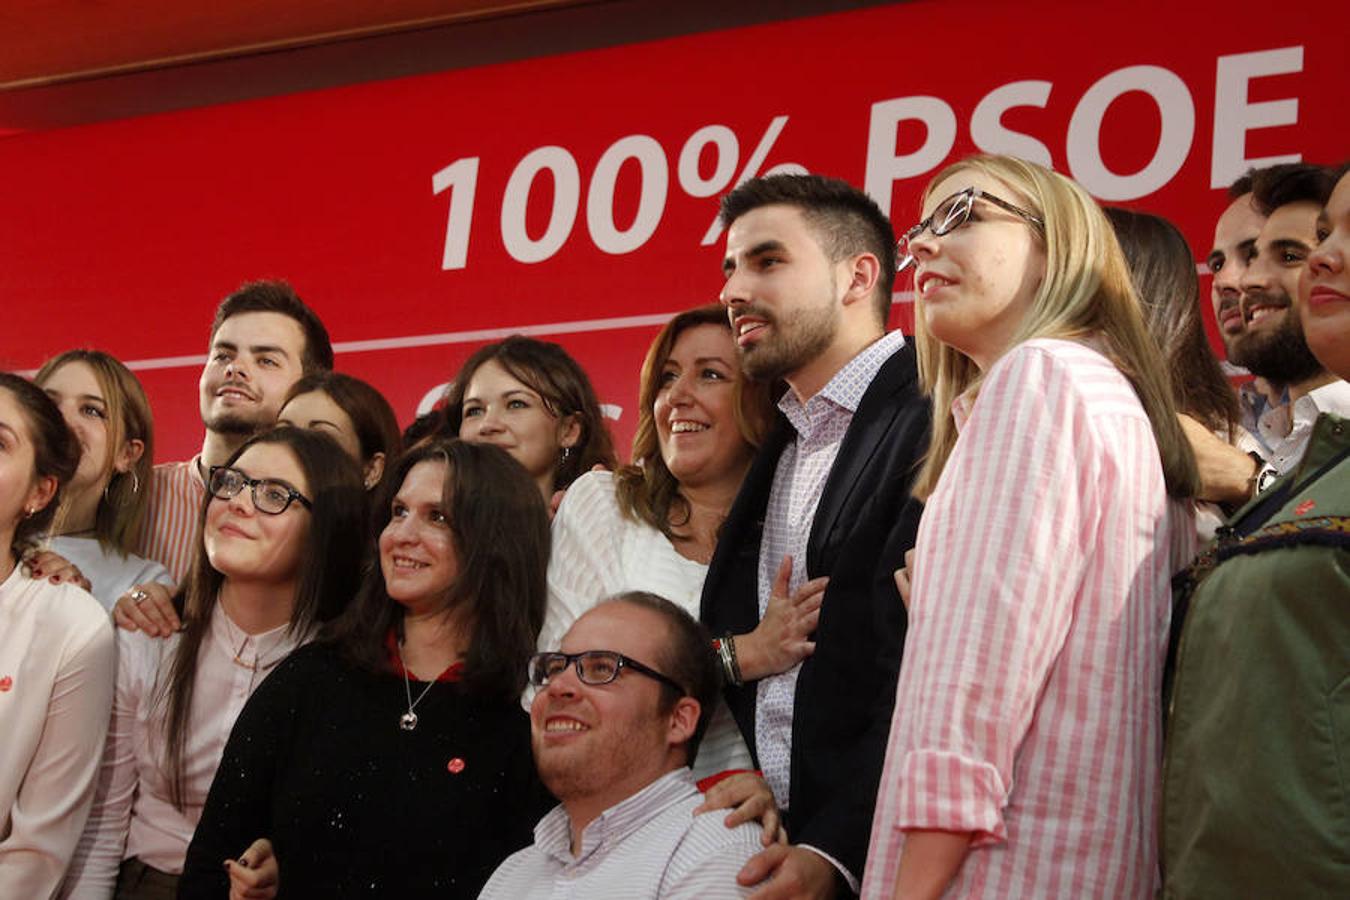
(1024, 751)
(282, 538)
(391, 758)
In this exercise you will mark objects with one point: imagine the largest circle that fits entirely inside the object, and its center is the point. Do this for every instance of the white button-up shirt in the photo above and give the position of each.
(647, 846)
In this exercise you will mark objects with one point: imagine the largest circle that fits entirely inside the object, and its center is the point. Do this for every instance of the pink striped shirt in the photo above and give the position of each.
(1028, 705)
(169, 531)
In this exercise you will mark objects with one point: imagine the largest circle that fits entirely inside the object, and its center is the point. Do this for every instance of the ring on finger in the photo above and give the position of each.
(138, 596)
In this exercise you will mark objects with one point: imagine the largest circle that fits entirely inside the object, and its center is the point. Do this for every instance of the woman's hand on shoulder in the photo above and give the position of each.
(748, 797)
(148, 608)
(54, 567)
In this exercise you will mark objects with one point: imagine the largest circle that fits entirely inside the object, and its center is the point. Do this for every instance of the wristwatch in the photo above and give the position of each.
(1264, 476)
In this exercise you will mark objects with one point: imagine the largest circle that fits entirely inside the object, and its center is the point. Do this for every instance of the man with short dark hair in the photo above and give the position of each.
(263, 339)
(616, 724)
(809, 268)
(1261, 242)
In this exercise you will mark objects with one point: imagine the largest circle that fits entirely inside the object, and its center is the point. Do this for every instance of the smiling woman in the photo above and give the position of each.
(534, 401)
(652, 526)
(392, 757)
(282, 528)
(56, 659)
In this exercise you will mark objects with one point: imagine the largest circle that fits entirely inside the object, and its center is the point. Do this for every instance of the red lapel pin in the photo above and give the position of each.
(1304, 507)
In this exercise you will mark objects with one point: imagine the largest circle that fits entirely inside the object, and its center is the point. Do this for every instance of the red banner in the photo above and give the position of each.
(574, 197)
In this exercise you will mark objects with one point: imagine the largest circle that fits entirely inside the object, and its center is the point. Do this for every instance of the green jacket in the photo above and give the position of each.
(1256, 778)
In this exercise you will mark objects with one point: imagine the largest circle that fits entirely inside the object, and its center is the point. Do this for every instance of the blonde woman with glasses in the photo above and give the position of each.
(1024, 750)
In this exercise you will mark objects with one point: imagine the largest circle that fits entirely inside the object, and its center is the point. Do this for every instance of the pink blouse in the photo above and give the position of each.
(1027, 711)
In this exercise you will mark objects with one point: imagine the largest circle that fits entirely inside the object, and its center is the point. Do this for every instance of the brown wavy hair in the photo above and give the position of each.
(646, 490)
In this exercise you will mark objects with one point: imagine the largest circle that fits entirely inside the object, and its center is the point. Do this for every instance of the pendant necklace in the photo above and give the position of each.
(408, 721)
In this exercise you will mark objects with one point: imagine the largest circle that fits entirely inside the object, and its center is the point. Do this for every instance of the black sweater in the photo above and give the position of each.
(355, 806)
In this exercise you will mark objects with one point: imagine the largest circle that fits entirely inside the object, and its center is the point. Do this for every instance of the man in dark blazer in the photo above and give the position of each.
(810, 264)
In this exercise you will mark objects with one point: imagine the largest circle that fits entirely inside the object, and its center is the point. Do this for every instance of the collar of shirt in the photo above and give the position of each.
(1332, 398)
(258, 652)
(455, 671)
(553, 834)
(844, 391)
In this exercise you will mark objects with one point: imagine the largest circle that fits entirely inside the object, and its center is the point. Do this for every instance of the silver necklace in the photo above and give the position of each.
(408, 721)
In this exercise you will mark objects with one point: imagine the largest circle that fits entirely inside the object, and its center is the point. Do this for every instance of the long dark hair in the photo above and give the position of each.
(548, 370)
(372, 416)
(56, 453)
(1163, 271)
(646, 489)
(499, 528)
(331, 562)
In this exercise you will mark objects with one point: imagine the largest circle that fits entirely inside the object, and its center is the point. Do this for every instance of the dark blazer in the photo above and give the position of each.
(845, 694)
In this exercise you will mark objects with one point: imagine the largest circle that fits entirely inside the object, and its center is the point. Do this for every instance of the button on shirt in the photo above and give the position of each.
(798, 483)
(134, 815)
(1284, 430)
(649, 845)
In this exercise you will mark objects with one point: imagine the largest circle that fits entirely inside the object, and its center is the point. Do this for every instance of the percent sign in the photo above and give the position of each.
(460, 178)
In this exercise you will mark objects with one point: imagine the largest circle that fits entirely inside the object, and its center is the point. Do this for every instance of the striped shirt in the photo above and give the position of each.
(1027, 711)
(169, 533)
(647, 846)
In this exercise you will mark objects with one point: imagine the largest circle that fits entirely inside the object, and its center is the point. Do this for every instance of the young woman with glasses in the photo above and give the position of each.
(282, 541)
(57, 658)
(392, 758)
(1025, 746)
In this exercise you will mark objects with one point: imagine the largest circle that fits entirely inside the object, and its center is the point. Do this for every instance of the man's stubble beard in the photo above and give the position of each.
(1280, 356)
(797, 339)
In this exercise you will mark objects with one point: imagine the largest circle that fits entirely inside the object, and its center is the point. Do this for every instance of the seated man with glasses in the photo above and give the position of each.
(616, 724)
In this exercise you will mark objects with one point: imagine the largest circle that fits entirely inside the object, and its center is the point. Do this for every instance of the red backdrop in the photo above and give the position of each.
(571, 196)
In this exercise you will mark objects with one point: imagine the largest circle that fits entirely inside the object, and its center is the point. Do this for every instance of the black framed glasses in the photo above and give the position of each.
(270, 495)
(950, 215)
(593, 667)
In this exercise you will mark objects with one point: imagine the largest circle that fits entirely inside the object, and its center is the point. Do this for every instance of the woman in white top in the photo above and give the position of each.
(652, 525)
(283, 530)
(102, 506)
(56, 659)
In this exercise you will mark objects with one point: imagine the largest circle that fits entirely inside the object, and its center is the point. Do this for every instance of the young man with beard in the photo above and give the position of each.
(809, 267)
(263, 339)
(615, 726)
(1262, 331)
(1235, 235)
(1271, 344)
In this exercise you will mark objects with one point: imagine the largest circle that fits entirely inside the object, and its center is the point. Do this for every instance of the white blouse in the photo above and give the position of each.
(598, 552)
(57, 659)
(133, 814)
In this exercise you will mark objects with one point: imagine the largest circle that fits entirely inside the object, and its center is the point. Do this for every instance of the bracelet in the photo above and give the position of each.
(726, 654)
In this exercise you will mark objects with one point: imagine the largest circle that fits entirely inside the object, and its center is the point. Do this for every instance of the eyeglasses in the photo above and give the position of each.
(950, 215)
(593, 667)
(270, 495)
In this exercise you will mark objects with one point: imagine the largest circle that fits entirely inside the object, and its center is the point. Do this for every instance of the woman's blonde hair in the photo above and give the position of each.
(1086, 294)
(123, 503)
(647, 491)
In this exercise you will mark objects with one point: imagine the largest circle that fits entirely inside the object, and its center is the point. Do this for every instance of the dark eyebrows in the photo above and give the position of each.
(260, 349)
(1289, 244)
(763, 247)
